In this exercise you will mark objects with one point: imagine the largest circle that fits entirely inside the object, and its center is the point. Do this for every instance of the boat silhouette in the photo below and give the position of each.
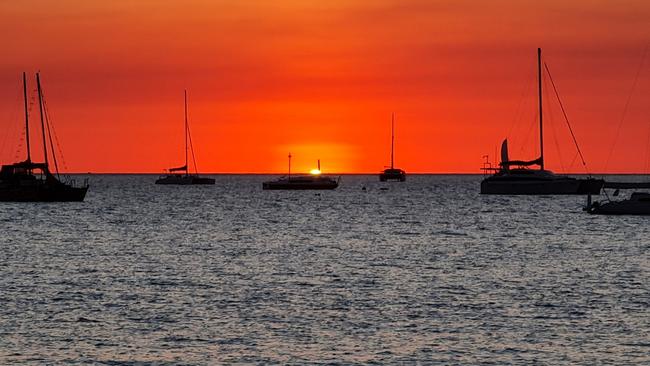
(29, 181)
(514, 177)
(302, 182)
(185, 179)
(392, 173)
(637, 204)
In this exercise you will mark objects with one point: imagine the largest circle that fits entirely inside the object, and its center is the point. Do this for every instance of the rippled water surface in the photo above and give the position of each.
(424, 271)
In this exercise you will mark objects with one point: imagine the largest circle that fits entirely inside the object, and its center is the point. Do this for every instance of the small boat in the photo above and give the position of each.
(392, 173)
(29, 181)
(302, 182)
(515, 177)
(185, 179)
(637, 204)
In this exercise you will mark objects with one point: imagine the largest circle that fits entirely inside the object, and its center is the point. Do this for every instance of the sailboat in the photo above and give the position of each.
(29, 181)
(302, 182)
(184, 179)
(392, 173)
(637, 204)
(514, 177)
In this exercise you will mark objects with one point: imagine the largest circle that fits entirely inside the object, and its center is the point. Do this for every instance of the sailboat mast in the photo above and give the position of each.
(187, 168)
(40, 107)
(392, 139)
(29, 155)
(541, 124)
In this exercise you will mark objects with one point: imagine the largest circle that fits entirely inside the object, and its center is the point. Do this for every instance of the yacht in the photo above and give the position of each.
(392, 173)
(181, 175)
(524, 181)
(314, 181)
(29, 181)
(515, 177)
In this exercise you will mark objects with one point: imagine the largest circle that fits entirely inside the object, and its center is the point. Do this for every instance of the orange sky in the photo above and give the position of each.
(320, 79)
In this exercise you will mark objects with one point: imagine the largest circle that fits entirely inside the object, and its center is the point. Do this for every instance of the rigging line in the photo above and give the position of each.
(19, 148)
(11, 129)
(556, 143)
(518, 127)
(566, 118)
(56, 137)
(49, 134)
(550, 121)
(58, 145)
(30, 111)
(531, 133)
(189, 135)
(627, 104)
(528, 83)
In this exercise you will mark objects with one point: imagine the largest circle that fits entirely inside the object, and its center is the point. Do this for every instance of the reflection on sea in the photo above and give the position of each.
(424, 271)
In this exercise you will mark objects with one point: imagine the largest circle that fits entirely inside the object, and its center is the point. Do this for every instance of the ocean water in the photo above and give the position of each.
(426, 271)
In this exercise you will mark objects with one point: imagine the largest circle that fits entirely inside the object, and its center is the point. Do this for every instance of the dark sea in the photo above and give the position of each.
(422, 272)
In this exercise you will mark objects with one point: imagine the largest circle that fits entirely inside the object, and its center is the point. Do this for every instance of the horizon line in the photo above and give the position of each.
(334, 173)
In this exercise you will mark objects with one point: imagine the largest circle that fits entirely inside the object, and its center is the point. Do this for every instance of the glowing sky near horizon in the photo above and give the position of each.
(320, 79)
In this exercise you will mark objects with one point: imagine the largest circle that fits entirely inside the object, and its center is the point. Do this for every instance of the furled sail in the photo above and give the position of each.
(504, 152)
(180, 168)
(506, 162)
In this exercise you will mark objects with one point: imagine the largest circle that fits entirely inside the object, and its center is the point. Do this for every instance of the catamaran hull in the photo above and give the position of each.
(62, 193)
(541, 187)
(185, 180)
(387, 177)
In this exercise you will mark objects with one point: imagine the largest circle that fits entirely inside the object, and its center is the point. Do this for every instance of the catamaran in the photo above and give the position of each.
(29, 181)
(185, 179)
(392, 173)
(302, 182)
(514, 177)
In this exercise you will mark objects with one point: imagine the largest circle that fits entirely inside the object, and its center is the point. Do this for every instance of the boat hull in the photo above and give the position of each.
(566, 186)
(396, 176)
(42, 193)
(637, 204)
(184, 180)
(298, 186)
